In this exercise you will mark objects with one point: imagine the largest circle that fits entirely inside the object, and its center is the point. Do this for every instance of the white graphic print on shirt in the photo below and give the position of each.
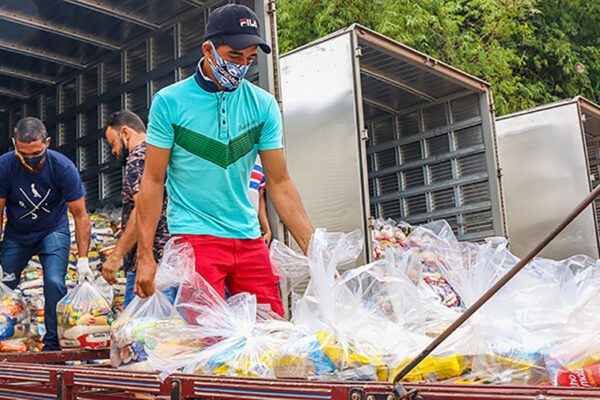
(36, 207)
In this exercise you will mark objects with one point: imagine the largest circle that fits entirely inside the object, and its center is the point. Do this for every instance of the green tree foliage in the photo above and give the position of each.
(532, 52)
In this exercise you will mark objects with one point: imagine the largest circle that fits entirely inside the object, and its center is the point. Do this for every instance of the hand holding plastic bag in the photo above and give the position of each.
(145, 325)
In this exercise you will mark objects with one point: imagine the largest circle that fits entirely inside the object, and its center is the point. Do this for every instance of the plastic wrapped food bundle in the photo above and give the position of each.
(236, 337)
(340, 343)
(84, 318)
(352, 322)
(153, 323)
(239, 341)
(31, 286)
(576, 363)
(141, 326)
(574, 357)
(516, 336)
(14, 320)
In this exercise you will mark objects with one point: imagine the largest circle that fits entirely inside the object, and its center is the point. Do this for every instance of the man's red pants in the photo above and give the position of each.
(241, 265)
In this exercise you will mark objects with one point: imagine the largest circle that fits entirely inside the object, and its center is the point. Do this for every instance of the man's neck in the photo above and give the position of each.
(134, 141)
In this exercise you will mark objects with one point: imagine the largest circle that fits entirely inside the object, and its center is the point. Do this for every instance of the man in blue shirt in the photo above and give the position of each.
(37, 185)
(207, 130)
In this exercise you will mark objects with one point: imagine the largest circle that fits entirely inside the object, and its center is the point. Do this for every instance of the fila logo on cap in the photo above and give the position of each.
(247, 22)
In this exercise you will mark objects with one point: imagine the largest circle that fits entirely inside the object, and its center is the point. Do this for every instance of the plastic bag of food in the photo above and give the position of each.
(574, 358)
(152, 322)
(245, 343)
(337, 344)
(575, 363)
(84, 318)
(14, 314)
(293, 266)
(141, 327)
(234, 337)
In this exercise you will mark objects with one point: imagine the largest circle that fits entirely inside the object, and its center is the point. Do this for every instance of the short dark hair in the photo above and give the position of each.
(30, 129)
(125, 118)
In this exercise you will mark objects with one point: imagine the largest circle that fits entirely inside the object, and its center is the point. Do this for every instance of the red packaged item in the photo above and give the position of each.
(584, 377)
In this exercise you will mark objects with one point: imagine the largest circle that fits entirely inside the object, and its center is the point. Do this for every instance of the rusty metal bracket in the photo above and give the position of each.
(59, 386)
(356, 394)
(176, 390)
(401, 393)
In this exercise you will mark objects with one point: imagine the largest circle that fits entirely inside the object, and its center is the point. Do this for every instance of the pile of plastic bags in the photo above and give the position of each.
(105, 229)
(14, 320)
(541, 328)
(367, 323)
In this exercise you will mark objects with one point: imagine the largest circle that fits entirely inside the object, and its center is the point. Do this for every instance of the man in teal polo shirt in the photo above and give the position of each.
(206, 131)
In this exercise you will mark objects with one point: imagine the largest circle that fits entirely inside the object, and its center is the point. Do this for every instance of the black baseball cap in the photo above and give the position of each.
(237, 26)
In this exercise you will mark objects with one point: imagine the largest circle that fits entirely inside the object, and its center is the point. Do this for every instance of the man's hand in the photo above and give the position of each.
(83, 270)
(110, 267)
(144, 276)
(267, 237)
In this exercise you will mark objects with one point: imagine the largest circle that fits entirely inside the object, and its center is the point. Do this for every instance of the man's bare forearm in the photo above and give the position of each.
(288, 204)
(83, 232)
(148, 206)
(263, 218)
(129, 237)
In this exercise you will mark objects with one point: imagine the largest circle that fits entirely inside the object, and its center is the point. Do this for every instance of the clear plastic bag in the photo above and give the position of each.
(140, 327)
(14, 318)
(340, 341)
(245, 344)
(153, 323)
(84, 318)
(294, 267)
(176, 263)
(224, 337)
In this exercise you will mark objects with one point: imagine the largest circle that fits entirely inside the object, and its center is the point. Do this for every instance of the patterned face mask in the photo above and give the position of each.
(228, 74)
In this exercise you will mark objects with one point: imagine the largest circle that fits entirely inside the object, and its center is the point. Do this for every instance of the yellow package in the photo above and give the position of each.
(345, 358)
(341, 357)
(247, 366)
(434, 368)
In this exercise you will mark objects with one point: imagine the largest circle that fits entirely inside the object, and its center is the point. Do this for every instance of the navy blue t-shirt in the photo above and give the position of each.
(36, 204)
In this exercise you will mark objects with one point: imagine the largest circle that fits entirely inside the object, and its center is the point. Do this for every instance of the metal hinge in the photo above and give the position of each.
(370, 223)
(364, 135)
(271, 6)
(358, 52)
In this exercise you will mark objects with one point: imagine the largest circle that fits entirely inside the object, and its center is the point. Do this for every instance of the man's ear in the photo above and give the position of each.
(49, 141)
(207, 49)
(126, 132)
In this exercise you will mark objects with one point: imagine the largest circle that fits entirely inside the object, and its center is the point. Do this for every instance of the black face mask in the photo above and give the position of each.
(34, 162)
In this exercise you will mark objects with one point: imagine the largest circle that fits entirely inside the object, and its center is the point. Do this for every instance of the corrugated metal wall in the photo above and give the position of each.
(76, 109)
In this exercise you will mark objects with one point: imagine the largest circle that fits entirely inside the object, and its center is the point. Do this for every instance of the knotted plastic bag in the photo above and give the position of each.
(84, 318)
